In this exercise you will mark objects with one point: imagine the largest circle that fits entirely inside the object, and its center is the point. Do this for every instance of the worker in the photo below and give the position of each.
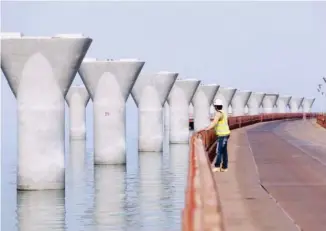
(222, 130)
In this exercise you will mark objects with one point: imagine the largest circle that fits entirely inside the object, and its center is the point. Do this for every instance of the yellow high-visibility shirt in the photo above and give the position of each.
(222, 127)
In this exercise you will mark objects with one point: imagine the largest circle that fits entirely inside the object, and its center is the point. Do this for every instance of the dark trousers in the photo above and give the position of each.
(222, 152)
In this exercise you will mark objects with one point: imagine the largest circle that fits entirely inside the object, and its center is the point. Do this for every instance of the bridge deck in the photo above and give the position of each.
(276, 179)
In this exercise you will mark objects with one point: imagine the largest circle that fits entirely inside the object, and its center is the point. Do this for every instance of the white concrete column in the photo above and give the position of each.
(269, 102)
(179, 99)
(254, 103)
(202, 101)
(150, 93)
(295, 104)
(191, 111)
(39, 71)
(239, 101)
(307, 105)
(166, 116)
(282, 102)
(230, 110)
(246, 110)
(77, 99)
(225, 94)
(109, 83)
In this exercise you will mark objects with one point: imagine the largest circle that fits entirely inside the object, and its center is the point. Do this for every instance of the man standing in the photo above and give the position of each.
(222, 130)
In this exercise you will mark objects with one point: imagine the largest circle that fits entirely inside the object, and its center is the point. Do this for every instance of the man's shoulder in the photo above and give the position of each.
(219, 114)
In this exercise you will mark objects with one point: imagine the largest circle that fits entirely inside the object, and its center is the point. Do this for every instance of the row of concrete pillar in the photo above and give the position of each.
(255, 103)
(40, 70)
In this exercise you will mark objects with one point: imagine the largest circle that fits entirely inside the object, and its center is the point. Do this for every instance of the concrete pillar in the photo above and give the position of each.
(191, 111)
(307, 105)
(230, 110)
(39, 71)
(254, 103)
(239, 101)
(150, 93)
(225, 94)
(269, 102)
(282, 102)
(295, 104)
(109, 83)
(41, 210)
(179, 99)
(246, 110)
(202, 101)
(77, 99)
(166, 115)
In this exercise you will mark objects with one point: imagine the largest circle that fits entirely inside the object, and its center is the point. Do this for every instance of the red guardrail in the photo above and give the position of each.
(202, 210)
(321, 120)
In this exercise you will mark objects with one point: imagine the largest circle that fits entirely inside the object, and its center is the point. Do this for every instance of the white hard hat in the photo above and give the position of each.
(218, 102)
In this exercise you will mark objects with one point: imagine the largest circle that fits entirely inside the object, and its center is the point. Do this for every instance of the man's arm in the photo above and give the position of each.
(217, 117)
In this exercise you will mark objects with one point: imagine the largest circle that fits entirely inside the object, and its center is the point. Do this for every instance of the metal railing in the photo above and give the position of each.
(321, 120)
(202, 210)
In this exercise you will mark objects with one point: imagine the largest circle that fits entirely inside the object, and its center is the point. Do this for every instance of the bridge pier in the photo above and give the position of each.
(77, 99)
(109, 83)
(150, 93)
(179, 99)
(202, 101)
(39, 71)
(254, 103)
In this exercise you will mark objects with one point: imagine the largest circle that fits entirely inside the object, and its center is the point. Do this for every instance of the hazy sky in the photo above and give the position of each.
(276, 47)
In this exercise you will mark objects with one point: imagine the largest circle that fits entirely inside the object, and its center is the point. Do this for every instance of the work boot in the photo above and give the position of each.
(224, 169)
(216, 169)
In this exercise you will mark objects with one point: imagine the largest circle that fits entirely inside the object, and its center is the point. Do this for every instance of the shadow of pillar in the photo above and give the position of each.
(79, 192)
(179, 154)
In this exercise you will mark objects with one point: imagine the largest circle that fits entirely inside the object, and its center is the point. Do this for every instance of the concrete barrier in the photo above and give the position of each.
(202, 210)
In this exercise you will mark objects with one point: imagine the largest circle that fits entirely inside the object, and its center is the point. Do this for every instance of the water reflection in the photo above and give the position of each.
(79, 191)
(109, 197)
(8, 194)
(179, 167)
(150, 190)
(167, 192)
(76, 161)
(147, 195)
(131, 206)
(40, 210)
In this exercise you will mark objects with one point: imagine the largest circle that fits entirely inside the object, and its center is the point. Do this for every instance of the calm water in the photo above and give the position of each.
(146, 194)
